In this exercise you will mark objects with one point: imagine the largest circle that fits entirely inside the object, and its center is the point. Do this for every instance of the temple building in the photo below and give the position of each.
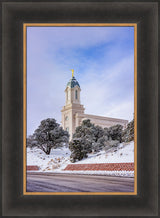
(73, 111)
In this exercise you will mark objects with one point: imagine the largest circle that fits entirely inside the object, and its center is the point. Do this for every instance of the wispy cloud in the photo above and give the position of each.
(103, 59)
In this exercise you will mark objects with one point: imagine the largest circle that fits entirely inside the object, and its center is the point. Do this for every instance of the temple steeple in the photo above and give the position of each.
(72, 91)
(72, 105)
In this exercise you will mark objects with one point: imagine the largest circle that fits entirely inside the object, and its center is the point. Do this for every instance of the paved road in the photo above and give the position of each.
(52, 182)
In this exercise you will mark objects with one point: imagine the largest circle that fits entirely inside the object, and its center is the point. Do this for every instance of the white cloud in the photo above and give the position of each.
(108, 94)
(73, 37)
(106, 82)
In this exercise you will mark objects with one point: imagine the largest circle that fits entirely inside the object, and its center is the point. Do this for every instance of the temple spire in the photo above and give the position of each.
(72, 72)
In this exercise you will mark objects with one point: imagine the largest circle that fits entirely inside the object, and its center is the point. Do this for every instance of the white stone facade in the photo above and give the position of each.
(73, 112)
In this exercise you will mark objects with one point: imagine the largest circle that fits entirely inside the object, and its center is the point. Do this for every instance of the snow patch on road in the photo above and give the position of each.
(111, 173)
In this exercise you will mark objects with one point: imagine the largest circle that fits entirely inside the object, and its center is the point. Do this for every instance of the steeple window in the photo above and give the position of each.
(66, 118)
(76, 94)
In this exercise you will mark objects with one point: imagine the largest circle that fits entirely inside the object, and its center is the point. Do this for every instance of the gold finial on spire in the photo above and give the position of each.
(72, 72)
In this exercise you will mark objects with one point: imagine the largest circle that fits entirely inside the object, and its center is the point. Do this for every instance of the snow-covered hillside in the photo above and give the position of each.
(124, 153)
(59, 158)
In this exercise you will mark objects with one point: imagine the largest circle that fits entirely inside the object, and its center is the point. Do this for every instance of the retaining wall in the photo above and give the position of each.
(102, 166)
(32, 167)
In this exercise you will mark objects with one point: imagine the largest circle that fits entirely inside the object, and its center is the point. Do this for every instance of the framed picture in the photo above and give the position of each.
(110, 139)
(24, 65)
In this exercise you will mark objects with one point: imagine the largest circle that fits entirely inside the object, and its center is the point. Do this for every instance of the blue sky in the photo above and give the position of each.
(103, 60)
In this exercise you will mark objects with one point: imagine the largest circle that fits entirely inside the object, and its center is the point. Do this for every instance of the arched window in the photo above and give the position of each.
(76, 94)
(66, 118)
(68, 98)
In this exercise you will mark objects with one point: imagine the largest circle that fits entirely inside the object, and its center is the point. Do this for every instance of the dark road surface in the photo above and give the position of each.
(54, 182)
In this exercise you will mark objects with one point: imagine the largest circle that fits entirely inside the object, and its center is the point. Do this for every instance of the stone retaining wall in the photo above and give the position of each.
(102, 167)
(32, 167)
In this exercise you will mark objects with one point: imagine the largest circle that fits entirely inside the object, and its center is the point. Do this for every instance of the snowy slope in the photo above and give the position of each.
(123, 154)
(59, 158)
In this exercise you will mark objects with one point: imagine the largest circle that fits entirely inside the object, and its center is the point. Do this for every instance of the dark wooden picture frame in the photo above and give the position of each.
(14, 14)
(104, 25)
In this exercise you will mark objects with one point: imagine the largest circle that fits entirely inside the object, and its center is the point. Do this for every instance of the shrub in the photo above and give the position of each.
(128, 133)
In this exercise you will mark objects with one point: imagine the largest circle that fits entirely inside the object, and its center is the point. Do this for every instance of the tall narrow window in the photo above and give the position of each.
(67, 96)
(66, 118)
(76, 94)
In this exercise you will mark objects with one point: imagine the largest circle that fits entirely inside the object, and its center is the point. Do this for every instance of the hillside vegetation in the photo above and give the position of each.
(88, 139)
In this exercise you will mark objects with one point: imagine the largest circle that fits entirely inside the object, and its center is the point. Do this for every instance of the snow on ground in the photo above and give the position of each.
(99, 172)
(59, 159)
(124, 153)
